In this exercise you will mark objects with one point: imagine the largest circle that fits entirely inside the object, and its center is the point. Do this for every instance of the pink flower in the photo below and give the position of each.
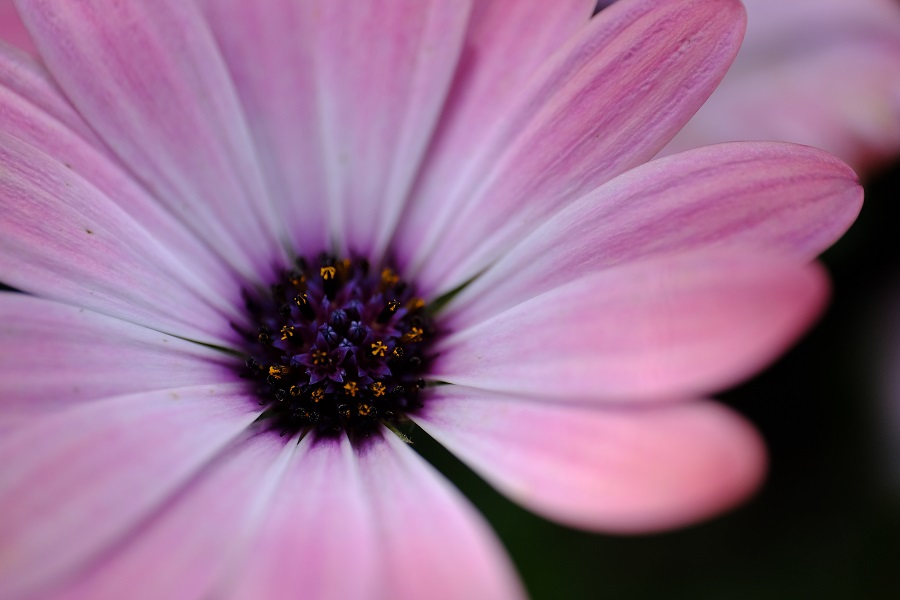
(189, 410)
(820, 72)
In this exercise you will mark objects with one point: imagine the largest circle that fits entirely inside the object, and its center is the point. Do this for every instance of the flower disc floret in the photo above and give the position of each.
(337, 346)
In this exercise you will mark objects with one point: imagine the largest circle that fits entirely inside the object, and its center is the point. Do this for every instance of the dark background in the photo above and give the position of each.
(826, 524)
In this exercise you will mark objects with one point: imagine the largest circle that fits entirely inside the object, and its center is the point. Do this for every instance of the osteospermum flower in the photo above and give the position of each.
(258, 238)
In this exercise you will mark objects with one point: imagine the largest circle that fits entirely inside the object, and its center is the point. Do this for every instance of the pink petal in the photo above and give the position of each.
(25, 76)
(45, 132)
(316, 526)
(506, 42)
(64, 240)
(149, 79)
(624, 470)
(604, 104)
(312, 109)
(669, 327)
(434, 544)
(401, 75)
(11, 29)
(773, 198)
(57, 356)
(268, 49)
(74, 483)
(189, 547)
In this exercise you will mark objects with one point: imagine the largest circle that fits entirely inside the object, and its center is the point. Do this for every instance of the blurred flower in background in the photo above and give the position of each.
(825, 73)
(820, 72)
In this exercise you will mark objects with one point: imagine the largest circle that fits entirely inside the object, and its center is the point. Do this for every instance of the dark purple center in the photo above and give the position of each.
(338, 346)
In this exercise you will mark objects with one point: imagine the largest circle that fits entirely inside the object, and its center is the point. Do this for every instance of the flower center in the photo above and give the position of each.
(337, 347)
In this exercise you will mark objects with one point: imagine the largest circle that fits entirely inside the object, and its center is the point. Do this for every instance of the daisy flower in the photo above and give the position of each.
(258, 240)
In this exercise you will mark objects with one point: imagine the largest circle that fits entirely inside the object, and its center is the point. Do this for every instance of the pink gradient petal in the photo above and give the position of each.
(765, 197)
(24, 120)
(320, 151)
(64, 240)
(12, 30)
(506, 42)
(149, 79)
(402, 72)
(669, 327)
(76, 482)
(259, 40)
(57, 356)
(434, 544)
(624, 470)
(26, 77)
(316, 527)
(215, 509)
(606, 103)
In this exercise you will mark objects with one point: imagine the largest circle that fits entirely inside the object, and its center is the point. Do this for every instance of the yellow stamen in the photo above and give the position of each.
(327, 273)
(414, 334)
(389, 278)
(364, 410)
(287, 331)
(378, 389)
(379, 348)
(351, 388)
(317, 394)
(277, 371)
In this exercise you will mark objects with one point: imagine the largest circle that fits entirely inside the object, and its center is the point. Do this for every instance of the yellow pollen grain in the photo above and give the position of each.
(352, 388)
(287, 331)
(388, 277)
(317, 395)
(378, 389)
(414, 334)
(295, 390)
(379, 348)
(301, 300)
(277, 371)
(364, 410)
(327, 273)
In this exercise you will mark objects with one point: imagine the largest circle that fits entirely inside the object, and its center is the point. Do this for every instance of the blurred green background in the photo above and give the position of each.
(826, 524)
